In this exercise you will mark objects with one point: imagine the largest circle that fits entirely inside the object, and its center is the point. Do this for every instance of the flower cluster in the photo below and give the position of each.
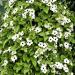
(31, 13)
(36, 37)
(51, 3)
(63, 20)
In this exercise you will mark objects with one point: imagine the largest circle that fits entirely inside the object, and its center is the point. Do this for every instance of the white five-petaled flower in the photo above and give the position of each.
(50, 39)
(22, 43)
(15, 37)
(14, 10)
(55, 39)
(43, 68)
(21, 33)
(66, 61)
(13, 58)
(54, 32)
(29, 42)
(66, 45)
(38, 29)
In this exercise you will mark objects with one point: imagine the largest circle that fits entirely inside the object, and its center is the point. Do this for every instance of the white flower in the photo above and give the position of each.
(53, 8)
(21, 33)
(37, 29)
(41, 44)
(65, 68)
(29, 42)
(31, 13)
(58, 65)
(66, 45)
(5, 62)
(60, 45)
(14, 10)
(49, 4)
(15, 37)
(63, 20)
(13, 58)
(50, 39)
(66, 61)
(55, 39)
(11, 2)
(22, 43)
(72, 73)
(54, 32)
(43, 68)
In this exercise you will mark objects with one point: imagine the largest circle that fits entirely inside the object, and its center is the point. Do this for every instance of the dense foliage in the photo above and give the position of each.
(37, 38)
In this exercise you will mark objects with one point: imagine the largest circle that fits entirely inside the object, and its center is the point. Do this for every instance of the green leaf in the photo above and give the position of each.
(25, 71)
(46, 9)
(34, 61)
